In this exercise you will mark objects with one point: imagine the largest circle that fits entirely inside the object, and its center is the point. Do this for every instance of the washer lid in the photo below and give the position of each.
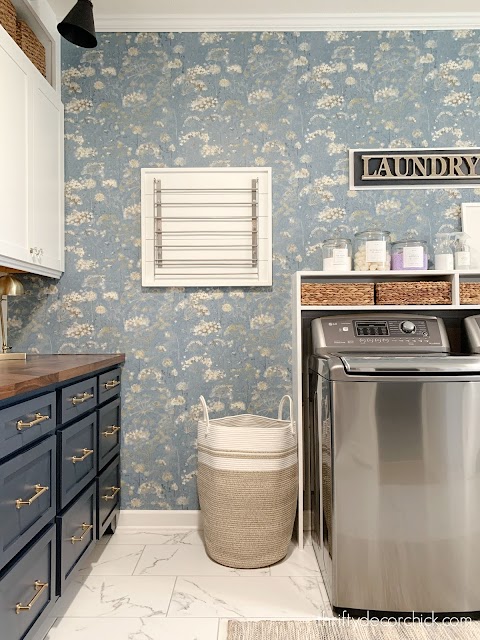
(423, 364)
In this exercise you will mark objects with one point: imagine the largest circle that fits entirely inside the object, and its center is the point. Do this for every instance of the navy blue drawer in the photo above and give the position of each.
(23, 423)
(76, 532)
(77, 457)
(27, 590)
(77, 399)
(109, 385)
(108, 486)
(27, 496)
(109, 421)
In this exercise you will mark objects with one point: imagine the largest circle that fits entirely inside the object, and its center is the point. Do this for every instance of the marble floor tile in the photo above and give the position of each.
(186, 560)
(294, 597)
(152, 535)
(134, 629)
(112, 560)
(326, 601)
(116, 596)
(299, 562)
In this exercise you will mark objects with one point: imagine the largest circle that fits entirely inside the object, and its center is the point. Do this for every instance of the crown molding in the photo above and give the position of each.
(287, 22)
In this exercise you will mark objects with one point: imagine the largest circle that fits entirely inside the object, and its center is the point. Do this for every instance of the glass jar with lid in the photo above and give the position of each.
(372, 250)
(337, 254)
(409, 254)
(444, 251)
(462, 251)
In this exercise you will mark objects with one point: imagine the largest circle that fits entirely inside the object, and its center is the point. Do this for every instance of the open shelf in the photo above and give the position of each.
(302, 315)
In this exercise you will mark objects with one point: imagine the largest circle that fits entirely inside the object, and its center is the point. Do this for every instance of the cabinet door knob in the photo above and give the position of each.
(39, 490)
(26, 425)
(114, 491)
(39, 587)
(85, 528)
(114, 428)
(86, 453)
(82, 398)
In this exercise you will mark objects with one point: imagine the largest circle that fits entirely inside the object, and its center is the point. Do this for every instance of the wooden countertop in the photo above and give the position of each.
(37, 371)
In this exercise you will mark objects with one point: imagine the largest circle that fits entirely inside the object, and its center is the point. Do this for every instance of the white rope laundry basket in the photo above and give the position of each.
(247, 486)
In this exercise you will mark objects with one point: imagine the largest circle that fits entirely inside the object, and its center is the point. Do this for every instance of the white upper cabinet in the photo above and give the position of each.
(31, 166)
(14, 136)
(46, 223)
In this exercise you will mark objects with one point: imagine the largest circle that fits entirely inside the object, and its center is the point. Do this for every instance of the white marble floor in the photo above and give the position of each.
(157, 584)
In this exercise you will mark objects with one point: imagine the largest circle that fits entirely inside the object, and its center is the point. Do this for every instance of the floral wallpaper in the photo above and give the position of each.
(293, 101)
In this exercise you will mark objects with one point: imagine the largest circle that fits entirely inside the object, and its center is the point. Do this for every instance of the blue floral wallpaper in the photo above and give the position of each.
(293, 101)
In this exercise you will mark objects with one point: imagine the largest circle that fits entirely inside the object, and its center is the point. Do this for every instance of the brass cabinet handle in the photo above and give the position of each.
(26, 425)
(39, 490)
(82, 398)
(85, 528)
(39, 587)
(86, 453)
(114, 490)
(113, 431)
(111, 384)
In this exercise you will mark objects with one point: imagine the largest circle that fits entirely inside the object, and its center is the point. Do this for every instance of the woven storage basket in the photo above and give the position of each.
(8, 18)
(247, 486)
(31, 46)
(423, 293)
(470, 293)
(337, 293)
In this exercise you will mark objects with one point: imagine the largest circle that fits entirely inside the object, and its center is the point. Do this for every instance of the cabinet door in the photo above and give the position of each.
(46, 218)
(14, 114)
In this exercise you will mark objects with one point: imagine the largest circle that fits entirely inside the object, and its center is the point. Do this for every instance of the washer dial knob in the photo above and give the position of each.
(407, 327)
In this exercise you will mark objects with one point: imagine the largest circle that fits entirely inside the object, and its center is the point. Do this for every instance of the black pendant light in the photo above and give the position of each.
(78, 26)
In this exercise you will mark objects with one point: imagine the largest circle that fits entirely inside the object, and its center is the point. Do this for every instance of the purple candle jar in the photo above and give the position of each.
(409, 255)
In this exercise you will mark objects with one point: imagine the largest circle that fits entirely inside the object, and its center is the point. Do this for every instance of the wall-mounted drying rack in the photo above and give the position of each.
(206, 227)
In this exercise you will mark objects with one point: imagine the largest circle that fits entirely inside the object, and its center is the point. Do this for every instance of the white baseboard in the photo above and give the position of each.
(181, 518)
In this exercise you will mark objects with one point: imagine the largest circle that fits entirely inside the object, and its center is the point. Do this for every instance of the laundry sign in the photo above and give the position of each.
(414, 168)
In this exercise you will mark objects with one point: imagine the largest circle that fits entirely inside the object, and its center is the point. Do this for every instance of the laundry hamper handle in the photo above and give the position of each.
(205, 415)
(280, 410)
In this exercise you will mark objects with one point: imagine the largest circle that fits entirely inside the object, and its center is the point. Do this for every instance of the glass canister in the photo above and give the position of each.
(444, 252)
(462, 251)
(372, 250)
(337, 255)
(409, 254)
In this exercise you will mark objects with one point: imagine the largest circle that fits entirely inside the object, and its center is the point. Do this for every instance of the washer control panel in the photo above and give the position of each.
(386, 333)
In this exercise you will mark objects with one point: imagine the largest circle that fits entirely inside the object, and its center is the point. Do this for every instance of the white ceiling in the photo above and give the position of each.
(114, 8)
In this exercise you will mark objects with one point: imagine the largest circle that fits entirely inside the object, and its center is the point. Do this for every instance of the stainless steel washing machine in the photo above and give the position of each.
(395, 465)
(472, 330)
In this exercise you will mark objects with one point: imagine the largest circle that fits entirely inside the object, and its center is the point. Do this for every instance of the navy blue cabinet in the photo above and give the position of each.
(27, 589)
(76, 534)
(77, 447)
(59, 490)
(109, 430)
(108, 496)
(27, 496)
(25, 422)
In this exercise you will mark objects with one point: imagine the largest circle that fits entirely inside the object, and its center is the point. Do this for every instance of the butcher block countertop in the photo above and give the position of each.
(37, 371)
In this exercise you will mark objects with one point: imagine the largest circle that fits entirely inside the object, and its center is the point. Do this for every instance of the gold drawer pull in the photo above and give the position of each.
(85, 528)
(82, 398)
(113, 431)
(39, 490)
(86, 453)
(111, 384)
(40, 587)
(26, 425)
(114, 490)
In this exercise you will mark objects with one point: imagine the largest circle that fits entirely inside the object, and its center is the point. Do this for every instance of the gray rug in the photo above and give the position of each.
(350, 630)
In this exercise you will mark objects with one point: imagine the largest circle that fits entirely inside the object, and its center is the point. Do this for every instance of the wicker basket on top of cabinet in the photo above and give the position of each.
(31, 46)
(418, 293)
(337, 293)
(8, 18)
(470, 293)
